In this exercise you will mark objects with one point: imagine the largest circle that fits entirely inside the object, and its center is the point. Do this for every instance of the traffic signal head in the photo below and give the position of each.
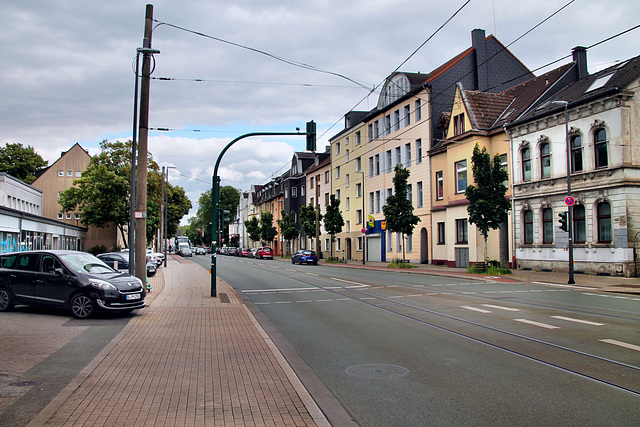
(563, 221)
(311, 136)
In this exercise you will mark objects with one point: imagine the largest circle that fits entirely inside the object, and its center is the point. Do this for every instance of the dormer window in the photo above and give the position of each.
(458, 124)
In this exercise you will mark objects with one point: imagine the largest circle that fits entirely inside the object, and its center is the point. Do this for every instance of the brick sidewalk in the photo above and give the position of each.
(186, 360)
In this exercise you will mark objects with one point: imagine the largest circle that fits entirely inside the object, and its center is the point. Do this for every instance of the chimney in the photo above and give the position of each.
(580, 59)
(479, 44)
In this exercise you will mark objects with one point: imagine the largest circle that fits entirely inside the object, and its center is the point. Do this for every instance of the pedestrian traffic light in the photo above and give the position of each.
(311, 136)
(563, 221)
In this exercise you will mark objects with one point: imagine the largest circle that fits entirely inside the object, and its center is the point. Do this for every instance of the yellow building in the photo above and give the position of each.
(60, 176)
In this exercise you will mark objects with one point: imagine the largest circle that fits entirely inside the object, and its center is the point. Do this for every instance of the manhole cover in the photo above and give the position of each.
(377, 371)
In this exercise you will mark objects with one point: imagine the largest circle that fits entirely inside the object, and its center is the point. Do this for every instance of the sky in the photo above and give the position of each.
(68, 68)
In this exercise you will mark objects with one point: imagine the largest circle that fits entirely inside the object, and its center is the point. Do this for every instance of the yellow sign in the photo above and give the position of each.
(372, 221)
(383, 225)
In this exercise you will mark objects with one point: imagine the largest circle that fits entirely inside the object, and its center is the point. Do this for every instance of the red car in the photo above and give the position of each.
(264, 253)
(244, 252)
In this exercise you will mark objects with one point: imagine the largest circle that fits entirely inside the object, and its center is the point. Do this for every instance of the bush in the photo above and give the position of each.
(98, 249)
(490, 271)
(116, 248)
(398, 263)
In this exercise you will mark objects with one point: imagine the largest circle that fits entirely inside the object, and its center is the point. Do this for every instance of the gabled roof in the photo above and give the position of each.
(322, 164)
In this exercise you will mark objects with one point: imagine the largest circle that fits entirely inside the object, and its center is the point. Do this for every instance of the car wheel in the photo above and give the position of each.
(81, 306)
(6, 300)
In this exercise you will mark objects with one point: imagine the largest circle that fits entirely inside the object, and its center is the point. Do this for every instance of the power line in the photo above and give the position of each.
(251, 82)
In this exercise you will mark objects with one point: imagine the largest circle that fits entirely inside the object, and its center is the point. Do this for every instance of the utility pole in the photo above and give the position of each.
(141, 172)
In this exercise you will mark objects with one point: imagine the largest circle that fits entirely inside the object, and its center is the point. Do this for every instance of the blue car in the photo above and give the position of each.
(304, 256)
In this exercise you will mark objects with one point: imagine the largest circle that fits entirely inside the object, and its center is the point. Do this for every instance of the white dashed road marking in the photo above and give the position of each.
(622, 344)
(571, 319)
(542, 325)
(479, 310)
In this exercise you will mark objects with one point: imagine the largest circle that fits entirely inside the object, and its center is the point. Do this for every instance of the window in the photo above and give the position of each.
(441, 238)
(78, 174)
(576, 153)
(286, 193)
(370, 167)
(418, 151)
(359, 189)
(326, 198)
(338, 194)
(377, 161)
(462, 231)
(417, 109)
(68, 216)
(398, 156)
(439, 186)
(346, 180)
(326, 245)
(311, 183)
(545, 160)
(378, 206)
(348, 203)
(358, 216)
(358, 164)
(370, 132)
(358, 139)
(337, 172)
(407, 154)
(407, 115)
(579, 224)
(69, 173)
(396, 120)
(359, 243)
(410, 193)
(327, 176)
(389, 162)
(389, 194)
(302, 187)
(387, 124)
(604, 223)
(528, 226)
(294, 191)
(60, 215)
(371, 202)
(526, 164)
(398, 242)
(60, 172)
(547, 226)
(337, 148)
(76, 216)
(461, 176)
(389, 241)
(346, 156)
(419, 202)
(409, 243)
(376, 129)
(600, 145)
(458, 124)
(339, 244)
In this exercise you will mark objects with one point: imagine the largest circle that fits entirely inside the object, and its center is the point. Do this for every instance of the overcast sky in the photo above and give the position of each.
(67, 68)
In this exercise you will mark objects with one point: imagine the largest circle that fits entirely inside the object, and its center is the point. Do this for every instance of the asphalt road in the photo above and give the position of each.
(405, 349)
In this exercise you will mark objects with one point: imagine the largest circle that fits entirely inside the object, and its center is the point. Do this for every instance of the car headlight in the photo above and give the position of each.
(101, 284)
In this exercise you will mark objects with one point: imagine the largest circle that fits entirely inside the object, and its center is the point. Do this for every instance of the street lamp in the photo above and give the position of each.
(569, 206)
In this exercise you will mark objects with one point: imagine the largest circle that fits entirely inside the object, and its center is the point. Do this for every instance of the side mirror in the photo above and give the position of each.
(59, 272)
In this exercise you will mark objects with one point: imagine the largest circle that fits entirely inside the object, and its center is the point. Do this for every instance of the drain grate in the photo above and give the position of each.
(224, 298)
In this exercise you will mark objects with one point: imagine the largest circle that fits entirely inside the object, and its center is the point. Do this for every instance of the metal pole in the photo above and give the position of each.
(570, 208)
(132, 191)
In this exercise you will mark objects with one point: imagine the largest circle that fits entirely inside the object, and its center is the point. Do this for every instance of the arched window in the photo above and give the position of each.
(526, 164)
(576, 153)
(579, 224)
(600, 147)
(547, 226)
(545, 160)
(528, 226)
(604, 223)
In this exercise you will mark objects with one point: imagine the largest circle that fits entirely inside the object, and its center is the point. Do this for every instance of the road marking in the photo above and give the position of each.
(396, 296)
(479, 310)
(248, 291)
(571, 319)
(305, 301)
(542, 325)
(622, 344)
(557, 285)
(358, 284)
(313, 274)
(499, 307)
(324, 300)
(415, 295)
(289, 269)
(273, 266)
(343, 299)
(282, 302)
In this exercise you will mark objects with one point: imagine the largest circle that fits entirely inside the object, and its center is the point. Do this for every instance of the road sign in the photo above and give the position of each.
(383, 225)
(364, 231)
(569, 201)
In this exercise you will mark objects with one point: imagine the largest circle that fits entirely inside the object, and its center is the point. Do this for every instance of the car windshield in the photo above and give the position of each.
(309, 253)
(85, 263)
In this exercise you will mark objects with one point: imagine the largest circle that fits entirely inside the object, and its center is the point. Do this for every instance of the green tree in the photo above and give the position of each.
(288, 228)
(488, 206)
(253, 229)
(267, 231)
(178, 205)
(308, 221)
(21, 162)
(228, 200)
(333, 220)
(398, 212)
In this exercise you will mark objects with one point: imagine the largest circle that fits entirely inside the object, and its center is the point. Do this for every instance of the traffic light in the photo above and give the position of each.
(223, 218)
(311, 136)
(563, 221)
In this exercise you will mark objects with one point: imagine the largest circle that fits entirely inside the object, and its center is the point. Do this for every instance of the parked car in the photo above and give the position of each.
(304, 256)
(120, 261)
(78, 281)
(158, 255)
(232, 251)
(185, 251)
(244, 252)
(264, 253)
(252, 252)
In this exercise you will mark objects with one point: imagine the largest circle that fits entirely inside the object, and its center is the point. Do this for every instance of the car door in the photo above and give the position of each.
(23, 275)
(51, 287)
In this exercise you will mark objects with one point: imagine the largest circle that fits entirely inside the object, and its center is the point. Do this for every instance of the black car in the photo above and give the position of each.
(74, 280)
(120, 261)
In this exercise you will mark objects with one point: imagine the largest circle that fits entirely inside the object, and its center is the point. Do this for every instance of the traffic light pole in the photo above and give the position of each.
(215, 190)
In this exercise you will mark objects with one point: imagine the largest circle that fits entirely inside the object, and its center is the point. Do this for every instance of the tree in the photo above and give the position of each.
(21, 162)
(178, 205)
(398, 212)
(267, 231)
(333, 220)
(488, 205)
(253, 229)
(228, 200)
(308, 221)
(288, 227)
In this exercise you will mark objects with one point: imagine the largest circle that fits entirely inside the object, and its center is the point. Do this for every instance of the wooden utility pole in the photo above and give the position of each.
(141, 172)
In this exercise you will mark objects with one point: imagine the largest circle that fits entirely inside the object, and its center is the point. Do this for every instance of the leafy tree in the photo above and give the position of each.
(21, 162)
(398, 212)
(178, 205)
(267, 231)
(253, 229)
(228, 200)
(308, 221)
(288, 227)
(333, 220)
(488, 205)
